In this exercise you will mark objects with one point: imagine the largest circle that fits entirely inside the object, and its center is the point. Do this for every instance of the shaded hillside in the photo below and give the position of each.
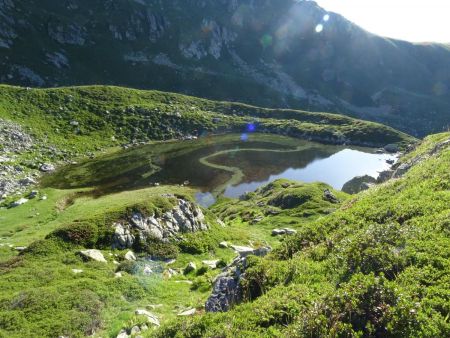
(260, 52)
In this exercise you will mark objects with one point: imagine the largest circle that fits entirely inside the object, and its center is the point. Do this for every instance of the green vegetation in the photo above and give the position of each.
(378, 266)
(370, 264)
(83, 119)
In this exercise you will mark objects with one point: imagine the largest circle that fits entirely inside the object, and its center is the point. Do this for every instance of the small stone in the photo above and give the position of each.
(147, 270)
(33, 194)
(122, 334)
(144, 327)
(242, 250)
(256, 220)
(20, 248)
(118, 275)
(130, 256)
(190, 267)
(212, 264)
(189, 312)
(46, 167)
(93, 254)
(150, 316)
(43, 198)
(135, 330)
(19, 202)
(290, 231)
(278, 232)
(77, 271)
(223, 245)
(329, 196)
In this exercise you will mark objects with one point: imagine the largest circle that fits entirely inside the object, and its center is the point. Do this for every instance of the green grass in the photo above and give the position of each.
(378, 266)
(108, 116)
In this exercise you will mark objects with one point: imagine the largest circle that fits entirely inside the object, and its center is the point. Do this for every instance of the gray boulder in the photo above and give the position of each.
(329, 196)
(185, 217)
(225, 294)
(93, 254)
(358, 183)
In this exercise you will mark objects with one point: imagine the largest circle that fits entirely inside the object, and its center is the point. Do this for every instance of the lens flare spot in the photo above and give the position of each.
(251, 127)
(266, 40)
(326, 17)
(244, 137)
(319, 28)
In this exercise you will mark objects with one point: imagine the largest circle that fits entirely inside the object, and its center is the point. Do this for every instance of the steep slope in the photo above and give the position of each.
(260, 52)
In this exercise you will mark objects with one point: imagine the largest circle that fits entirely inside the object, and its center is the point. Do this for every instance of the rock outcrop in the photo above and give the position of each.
(226, 290)
(185, 217)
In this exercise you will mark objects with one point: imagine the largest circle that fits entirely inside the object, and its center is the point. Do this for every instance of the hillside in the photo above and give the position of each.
(371, 264)
(378, 266)
(265, 53)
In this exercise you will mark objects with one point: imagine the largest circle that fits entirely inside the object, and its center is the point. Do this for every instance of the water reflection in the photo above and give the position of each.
(218, 165)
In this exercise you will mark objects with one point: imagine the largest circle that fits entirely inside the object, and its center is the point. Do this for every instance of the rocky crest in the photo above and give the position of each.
(184, 218)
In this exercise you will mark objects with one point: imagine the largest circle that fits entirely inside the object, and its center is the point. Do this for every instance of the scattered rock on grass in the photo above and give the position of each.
(150, 316)
(190, 267)
(130, 256)
(94, 255)
(186, 313)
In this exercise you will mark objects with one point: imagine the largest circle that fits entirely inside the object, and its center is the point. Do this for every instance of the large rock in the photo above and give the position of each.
(227, 291)
(225, 294)
(358, 183)
(184, 218)
(329, 196)
(93, 254)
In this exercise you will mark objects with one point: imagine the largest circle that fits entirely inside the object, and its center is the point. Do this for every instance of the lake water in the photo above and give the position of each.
(225, 165)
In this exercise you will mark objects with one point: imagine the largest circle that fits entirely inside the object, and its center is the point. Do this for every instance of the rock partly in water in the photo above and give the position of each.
(385, 176)
(391, 148)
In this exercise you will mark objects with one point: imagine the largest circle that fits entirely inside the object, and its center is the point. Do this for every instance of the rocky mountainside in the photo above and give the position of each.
(281, 53)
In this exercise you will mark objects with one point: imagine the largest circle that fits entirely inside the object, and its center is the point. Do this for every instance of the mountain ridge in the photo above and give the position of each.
(265, 53)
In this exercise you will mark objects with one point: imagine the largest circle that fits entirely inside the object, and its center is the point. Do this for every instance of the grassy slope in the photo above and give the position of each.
(379, 266)
(40, 293)
(129, 114)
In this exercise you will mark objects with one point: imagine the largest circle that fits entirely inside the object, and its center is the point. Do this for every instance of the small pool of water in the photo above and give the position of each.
(224, 164)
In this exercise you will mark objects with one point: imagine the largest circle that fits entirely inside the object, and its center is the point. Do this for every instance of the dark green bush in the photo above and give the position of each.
(83, 234)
